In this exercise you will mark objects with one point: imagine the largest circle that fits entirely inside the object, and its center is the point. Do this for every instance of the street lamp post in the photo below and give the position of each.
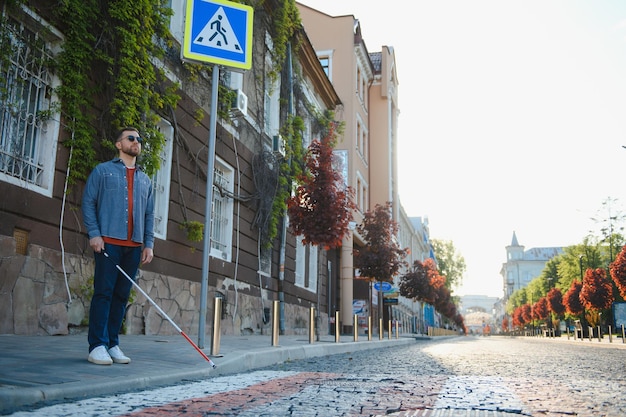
(584, 321)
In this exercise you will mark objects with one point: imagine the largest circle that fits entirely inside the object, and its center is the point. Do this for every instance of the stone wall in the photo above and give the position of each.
(34, 299)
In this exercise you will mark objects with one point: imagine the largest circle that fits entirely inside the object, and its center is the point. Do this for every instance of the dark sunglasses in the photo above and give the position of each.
(132, 138)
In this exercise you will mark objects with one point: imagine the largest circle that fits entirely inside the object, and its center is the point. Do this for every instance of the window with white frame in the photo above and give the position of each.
(28, 127)
(306, 265)
(161, 181)
(222, 211)
(271, 104)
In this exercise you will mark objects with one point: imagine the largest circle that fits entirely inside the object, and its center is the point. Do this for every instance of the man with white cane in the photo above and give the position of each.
(118, 212)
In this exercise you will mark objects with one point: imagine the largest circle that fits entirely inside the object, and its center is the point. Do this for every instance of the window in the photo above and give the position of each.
(222, 211)
(306, 265)
(362, 144)
(265, 261)
(326, 60)
(28, 129)
(271, 104)
(161, 182)
(362, 198)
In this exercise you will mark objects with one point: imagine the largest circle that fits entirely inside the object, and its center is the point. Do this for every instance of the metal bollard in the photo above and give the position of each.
(275, 323)
(369, 327)
(599, 334)
(397, 330)
(217, 324)
(311, 324)
(337, 335)
(355, 327)
(380, 329)
(389, 330)
(610, 334)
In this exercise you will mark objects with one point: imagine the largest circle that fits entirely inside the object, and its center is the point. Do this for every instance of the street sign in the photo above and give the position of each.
(386, 286)
(218, 32)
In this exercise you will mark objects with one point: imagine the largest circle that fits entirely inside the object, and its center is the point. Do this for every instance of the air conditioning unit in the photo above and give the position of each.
(240, 104)
(278, 145)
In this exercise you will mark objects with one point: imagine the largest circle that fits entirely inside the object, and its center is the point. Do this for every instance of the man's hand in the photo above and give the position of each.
(147, 255)
(97, 244)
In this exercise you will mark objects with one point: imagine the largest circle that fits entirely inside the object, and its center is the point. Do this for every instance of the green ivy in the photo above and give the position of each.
(113, 43)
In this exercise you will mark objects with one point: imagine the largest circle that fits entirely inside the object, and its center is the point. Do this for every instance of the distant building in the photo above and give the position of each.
(522, 266)
(477, 303)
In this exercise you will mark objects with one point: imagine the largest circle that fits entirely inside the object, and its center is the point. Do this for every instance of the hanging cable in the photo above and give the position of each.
(67, 176)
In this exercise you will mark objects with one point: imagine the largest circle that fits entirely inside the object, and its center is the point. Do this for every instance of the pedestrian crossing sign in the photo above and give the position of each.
(218, 32)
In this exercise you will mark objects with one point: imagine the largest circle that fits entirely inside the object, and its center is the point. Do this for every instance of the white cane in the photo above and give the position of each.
(161, 311)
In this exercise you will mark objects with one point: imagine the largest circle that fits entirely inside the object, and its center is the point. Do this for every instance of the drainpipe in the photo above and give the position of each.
(283, 237)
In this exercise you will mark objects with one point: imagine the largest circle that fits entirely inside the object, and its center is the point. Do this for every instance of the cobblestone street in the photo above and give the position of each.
(464, 376)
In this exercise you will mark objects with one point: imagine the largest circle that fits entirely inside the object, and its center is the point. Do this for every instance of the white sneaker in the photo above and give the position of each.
(118, 356)
(100, 356)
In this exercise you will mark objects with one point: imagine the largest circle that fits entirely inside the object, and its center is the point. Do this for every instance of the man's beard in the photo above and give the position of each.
(131, 151)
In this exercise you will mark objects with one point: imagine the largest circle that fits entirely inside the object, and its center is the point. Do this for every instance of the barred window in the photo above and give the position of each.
(28, 122)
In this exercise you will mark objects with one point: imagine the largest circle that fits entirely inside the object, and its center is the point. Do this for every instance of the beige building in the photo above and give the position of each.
(367, 84)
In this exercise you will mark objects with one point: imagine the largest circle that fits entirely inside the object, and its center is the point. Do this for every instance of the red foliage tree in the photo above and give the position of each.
(518, 317)
(527, 314)
(505, 324)
(571, 299)
(422, 282)
(322, 206)
(381, 258)
(555, 302)
(618, 272)
(540, 309)
(596, 292)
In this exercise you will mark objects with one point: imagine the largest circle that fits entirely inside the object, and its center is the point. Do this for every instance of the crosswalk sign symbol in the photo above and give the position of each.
(219, 32)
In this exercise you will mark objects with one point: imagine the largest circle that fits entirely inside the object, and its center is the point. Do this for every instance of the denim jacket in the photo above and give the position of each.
(105, 204)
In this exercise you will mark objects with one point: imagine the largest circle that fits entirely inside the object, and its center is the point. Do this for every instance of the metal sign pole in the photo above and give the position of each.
(208, 207)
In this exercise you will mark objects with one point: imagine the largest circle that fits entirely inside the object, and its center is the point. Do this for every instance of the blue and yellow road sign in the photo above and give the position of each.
(218, 32)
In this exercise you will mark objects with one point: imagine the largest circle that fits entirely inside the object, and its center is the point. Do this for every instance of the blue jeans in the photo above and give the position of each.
(111, 290)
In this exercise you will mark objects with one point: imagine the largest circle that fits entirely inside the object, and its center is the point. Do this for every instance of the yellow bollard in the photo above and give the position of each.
(275, 323)
(311, 324)
(217, 324)
(337, 335)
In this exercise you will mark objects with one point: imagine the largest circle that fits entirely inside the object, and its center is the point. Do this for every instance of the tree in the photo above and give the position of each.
(540, 309)
(424, 283)
(555, 302)
(418, 284)
(322, 206)
(382, 258)
(518, 317)
(596, 293)
(526, 313)
(572, 302)
(450, 263)
(618, 272)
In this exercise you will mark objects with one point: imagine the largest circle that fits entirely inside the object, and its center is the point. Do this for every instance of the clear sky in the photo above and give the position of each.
(512, 118)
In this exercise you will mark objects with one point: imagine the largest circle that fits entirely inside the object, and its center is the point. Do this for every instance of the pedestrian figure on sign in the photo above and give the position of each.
(219, 30)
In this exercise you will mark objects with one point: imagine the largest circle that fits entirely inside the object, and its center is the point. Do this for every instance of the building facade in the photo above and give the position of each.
(46, 263)
(522, 266)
